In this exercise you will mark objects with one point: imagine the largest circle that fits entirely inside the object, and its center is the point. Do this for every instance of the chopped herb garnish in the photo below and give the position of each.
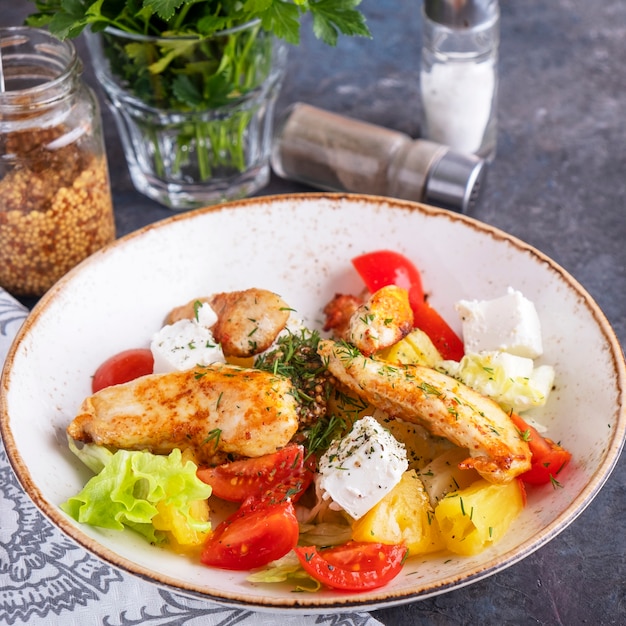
(196, 308)
(555, 483)
(214, 435)
(322, 433)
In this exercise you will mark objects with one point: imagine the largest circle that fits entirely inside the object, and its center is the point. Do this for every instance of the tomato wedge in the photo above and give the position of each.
(354, 566)
(284, 473)
(255, 535)
(386, 267)
(447, 342)
(548, 457)
(122, 368)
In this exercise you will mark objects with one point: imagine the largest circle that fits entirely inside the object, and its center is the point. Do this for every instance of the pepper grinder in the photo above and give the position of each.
(459, 74)
(337, 153)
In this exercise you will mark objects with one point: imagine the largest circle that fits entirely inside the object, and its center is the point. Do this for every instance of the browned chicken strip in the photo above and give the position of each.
(248, 321)
(444, 406)
(212, 411)
(383, 320)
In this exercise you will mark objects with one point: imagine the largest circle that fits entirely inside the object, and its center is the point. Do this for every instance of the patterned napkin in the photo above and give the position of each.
(46, 578)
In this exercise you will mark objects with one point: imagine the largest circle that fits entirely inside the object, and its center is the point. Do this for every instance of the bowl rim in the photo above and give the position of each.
(378, 598)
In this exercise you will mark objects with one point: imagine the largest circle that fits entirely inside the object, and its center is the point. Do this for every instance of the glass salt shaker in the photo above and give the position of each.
(459, 74)
(55, 198)
(337, 153)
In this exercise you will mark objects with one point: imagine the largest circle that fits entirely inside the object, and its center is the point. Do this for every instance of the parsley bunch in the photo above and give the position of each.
(203, 18)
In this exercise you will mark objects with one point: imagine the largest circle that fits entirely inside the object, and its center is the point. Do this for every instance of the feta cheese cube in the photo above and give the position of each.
(206, 316)
(507, 324)
(356, 472)
(186, 343)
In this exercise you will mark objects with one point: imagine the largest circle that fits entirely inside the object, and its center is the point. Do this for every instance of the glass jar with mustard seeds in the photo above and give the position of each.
(55, 197)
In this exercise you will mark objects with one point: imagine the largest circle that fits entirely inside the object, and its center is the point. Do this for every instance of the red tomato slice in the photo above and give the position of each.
(447, 342)
(122, 368)
(354, 566)
(254, 536)
(283, 473)
(385, 267)
(548, 458)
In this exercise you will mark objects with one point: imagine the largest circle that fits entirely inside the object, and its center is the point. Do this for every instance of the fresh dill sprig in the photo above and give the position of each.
(322, 433)
(295, 357)
(214, 436)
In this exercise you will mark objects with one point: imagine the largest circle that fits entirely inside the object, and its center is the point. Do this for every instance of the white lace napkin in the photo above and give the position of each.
(46, 578)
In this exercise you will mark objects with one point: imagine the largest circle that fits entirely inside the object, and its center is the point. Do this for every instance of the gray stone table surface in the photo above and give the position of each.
(558, 182)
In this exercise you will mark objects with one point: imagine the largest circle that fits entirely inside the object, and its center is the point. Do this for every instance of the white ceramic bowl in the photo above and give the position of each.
(300, 246)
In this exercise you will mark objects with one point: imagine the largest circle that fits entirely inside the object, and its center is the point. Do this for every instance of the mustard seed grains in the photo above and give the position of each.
(54, 212)
(55, 200)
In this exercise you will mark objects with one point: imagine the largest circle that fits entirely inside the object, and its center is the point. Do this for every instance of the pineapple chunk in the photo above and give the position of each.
(415, 348)
(472, 519)
(403, 515)
(182, 535)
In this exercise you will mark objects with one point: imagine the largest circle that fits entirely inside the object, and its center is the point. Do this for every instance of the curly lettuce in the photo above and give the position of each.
(286, 569)
(160, 497)
(514, 382)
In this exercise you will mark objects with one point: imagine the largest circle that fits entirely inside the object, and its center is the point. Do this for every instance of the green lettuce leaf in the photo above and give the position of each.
(93, 456)
(126, 492)
(286, 569)
(512, 381)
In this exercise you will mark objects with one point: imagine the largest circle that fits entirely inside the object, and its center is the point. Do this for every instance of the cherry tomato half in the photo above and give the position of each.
(284, 473)
(122, 368)
(548, 458)
(354, 566)
(386, 267)
(255, 535)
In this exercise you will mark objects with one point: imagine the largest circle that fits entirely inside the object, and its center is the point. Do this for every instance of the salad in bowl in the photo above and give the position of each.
(338, 454)
(218, 451)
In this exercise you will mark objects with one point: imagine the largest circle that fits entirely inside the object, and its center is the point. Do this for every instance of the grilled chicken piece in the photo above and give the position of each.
(384, 319)
(214, 411)
(444, 406)
(248, 321)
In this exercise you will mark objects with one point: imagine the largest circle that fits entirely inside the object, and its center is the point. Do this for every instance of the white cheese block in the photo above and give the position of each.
(205, 315)
(507, 324)
(356, 472)
(186, 343)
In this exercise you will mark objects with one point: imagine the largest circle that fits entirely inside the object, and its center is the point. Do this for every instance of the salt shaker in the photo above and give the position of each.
(337, 153)
(55, 198)
(459, 74)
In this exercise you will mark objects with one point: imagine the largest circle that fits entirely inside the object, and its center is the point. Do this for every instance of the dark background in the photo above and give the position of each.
(558, 182)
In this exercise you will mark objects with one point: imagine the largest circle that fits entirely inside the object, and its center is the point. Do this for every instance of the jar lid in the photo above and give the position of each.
(454, 181)
(461, 13)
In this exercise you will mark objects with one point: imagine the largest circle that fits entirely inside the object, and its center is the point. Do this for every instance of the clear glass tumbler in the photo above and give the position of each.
(194, 115)
(459, 74)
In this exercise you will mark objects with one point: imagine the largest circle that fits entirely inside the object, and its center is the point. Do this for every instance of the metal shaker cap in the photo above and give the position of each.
(461, 13)
(454, 181)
